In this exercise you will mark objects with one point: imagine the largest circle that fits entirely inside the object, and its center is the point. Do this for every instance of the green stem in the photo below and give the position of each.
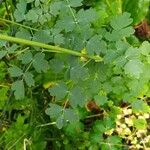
(47, 124)
(18, 24)
(49, 47)
(120, 6)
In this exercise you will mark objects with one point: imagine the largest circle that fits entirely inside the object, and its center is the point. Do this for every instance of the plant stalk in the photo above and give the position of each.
(49, 47)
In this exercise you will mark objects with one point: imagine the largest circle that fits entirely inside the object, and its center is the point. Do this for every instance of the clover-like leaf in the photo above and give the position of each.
(100, 99)
(60, 122)
(77, 97)
(54, 111)
(59, 91)
(39, 63)
(42, 36)
(2, 53)
(70, 115)
(18, 88)
(32, 16)
(67, 24)
(24, 34)
(140, 123)
(134, 68)
(145, 48)
(93, 45)
(86, 16)
(20, 11)
(28, 76)
(26, 57)
(140, 106)
(78, 72)
(15, 71)
(121, 21)
(75, 3)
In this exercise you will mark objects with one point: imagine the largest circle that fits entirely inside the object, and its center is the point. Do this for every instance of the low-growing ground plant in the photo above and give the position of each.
(74, 75)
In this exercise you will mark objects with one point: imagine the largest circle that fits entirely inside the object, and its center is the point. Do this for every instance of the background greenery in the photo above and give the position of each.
(73, 75)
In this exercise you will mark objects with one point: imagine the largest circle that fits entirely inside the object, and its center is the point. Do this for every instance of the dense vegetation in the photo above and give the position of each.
(74, 75)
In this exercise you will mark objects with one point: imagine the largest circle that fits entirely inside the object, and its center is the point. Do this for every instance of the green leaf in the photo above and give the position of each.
(78, 72)
(67, 24)
(134, 68)
(55, 7)
(77, 97)
(22, 5)
(75, 3)
(19, 16)
(112, 143)
(140, 124)
(100, 100)
(19, 13)
(121, 27)
(58, 39)
(60, 122)
(42, 36)
(15, 71)
(74, 129)
(18, 88)
(57, 65)
(39, 63)
(94, 44)
(12, 48)
(121, 21)
(132, 53)
(54, 111)
(32, 16)
(116, 35)
(3, 43)
(85, 17)
(140, 106)
(29, 79)
(145, 48)
(139, 11)
(26, 57)
(126, 32)
(70, 115)
(2, 53)
(59, 91)
(24, 34)
(104, 125)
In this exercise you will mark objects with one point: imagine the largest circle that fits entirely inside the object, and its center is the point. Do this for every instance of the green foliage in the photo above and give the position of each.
(139, 11)
(18, 88)
(71, 68)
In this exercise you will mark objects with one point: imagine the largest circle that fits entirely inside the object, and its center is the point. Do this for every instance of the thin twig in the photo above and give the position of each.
(18, 24)
(47, 124)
